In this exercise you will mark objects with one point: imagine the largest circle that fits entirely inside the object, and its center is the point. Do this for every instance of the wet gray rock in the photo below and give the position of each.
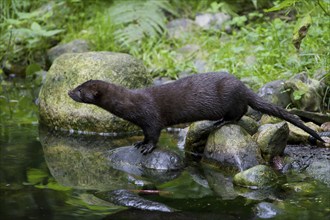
(306, 94)
(211, 21)
(320, 170)
(129, 199)
(197, 135)
(303, 157)
(232, 147)
(179, 28)
(275, 92)
(249, 124)
(158, 165)
(267, 119)
(259, 176)
(272, 139)
(298, 135)
(57, 110)
(76, 46)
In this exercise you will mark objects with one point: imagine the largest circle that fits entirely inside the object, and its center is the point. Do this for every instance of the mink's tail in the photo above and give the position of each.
(259, 104)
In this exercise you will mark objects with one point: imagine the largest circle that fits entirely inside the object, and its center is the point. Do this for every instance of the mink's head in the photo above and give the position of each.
(88, 92)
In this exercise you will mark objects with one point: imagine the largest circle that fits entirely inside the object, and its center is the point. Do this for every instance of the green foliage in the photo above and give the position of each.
(258, 46)
(302, 6)
(136, 20)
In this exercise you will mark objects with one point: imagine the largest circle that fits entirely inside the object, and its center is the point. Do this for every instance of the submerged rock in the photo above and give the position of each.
(303, 188)
(320, 170)
(232, 147)
(58, 110)
(267, 210)
(160, 165)
(259, 176)
(259, 194)
(220, 183)
(129, 199)
(272, 139)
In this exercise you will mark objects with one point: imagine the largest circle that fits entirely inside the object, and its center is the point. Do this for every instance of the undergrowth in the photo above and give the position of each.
(260, 48)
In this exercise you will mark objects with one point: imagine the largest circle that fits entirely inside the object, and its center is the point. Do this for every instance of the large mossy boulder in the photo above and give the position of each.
(57, 110)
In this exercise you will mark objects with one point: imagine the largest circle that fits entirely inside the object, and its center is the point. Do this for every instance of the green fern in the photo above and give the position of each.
(136, 19)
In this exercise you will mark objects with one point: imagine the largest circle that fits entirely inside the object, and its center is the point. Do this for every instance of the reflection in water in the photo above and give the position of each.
(79, 161)
(96, 163)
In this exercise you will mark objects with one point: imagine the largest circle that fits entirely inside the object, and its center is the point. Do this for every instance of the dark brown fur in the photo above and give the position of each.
(207, 96)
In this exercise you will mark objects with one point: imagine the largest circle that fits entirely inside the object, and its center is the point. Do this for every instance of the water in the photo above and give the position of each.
(58, 181)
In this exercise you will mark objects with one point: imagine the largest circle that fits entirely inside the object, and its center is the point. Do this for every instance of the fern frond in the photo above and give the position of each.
(136, 19)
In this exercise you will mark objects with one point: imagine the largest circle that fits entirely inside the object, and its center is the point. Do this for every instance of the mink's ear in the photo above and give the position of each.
(96, 93)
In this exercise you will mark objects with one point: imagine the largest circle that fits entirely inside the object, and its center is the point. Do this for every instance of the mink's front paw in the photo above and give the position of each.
(139, 144)
(145, 148)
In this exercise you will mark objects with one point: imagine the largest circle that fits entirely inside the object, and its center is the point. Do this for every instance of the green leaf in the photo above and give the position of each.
(32, 68)
(137, 19)
(51, 32)
(36, 27)
(298, 94)
(282, 5)
(27, 15)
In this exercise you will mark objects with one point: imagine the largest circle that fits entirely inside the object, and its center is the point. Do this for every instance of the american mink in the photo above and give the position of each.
(207, 96)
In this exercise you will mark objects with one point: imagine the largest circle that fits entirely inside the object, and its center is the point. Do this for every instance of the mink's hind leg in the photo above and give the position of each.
(151, 137)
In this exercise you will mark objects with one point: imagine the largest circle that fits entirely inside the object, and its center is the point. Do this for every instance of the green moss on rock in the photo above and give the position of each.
(58, 110)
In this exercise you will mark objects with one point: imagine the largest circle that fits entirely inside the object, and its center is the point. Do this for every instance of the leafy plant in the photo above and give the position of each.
(27, 34)
(136, 20)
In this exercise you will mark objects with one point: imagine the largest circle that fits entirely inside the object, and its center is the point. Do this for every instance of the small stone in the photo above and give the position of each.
(272, 139)
(259, 176)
